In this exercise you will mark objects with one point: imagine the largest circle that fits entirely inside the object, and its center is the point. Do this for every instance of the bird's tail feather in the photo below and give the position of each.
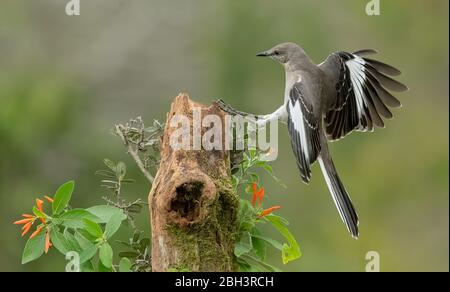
(339, 194)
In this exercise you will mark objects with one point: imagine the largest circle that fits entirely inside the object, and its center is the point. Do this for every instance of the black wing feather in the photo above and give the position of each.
(361, 106)
(301, 114)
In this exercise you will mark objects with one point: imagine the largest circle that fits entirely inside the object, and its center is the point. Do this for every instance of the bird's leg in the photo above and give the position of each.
(232, 111)
(259, 121)
(279, 115)
(254, 122)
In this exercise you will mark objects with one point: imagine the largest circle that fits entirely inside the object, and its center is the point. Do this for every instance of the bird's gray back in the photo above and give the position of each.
(311, 80)
(330, 77)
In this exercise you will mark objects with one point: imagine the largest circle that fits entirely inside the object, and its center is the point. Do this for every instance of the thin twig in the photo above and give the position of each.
(134, 153)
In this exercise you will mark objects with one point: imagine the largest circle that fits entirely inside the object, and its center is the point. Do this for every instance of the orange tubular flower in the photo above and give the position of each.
(38, 230)
(27, 216)
(50, 200)
(23, 221)
(26, 228)
(255, 194)
(47, 241)
(261, 195)
(39, 204)
(29, 223)
(268, 211)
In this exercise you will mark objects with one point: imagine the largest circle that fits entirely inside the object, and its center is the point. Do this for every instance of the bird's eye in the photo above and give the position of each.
(276, 53)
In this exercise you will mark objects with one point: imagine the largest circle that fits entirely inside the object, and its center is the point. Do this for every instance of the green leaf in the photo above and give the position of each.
(113, 225)
(246, 215)
(106, 255)
(143, 244)
(87, 267)
(252, 153)
(93, 228)
(125, 265)
(87, 235)
(103, 269)
(276, 244)
(107, 181)
(83, 242)
(60, 242)
(259, 245)
(279, 218)
(106, 173)
(254, 177)
(265, 265)
(62, 197)
(245, 266)
(243, 246)
(74, 218)
(244, 208)
(105, 212)
(135, 208)
(247, 225)
(38, 213)
(291, 250)
(111, 165)
(268, 168)
(234, 181)
(34, 248)
(88, 253)
(136, 235)
(70, 238)
(121, 170)
(246, 156)
(126, 244)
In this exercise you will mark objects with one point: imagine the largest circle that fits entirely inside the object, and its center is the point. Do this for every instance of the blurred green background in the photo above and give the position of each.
(65, 81)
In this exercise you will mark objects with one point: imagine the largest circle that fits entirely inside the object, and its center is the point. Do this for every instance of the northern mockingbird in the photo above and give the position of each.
(326, 102)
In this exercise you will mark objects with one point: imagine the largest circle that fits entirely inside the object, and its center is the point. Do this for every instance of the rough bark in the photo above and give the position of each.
(192, 203)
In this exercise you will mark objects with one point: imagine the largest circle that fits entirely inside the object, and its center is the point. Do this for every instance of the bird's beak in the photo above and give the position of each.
(263, 54)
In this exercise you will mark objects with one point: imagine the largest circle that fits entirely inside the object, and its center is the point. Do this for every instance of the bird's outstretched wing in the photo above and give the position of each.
(362, 98)
(303, 128)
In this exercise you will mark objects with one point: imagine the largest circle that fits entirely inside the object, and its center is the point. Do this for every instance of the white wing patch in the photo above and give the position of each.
(299, 125)
(358, 78)
(303, 129)
(362, 97)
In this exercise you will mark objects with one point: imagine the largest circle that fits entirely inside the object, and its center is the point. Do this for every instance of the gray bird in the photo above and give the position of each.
(347, 92)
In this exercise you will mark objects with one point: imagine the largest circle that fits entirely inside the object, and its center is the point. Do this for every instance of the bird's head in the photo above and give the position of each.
(283, 53)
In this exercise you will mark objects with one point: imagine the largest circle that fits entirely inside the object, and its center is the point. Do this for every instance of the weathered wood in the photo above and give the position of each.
(192, 203)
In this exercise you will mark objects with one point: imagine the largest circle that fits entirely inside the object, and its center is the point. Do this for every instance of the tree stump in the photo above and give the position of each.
(192, 203)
